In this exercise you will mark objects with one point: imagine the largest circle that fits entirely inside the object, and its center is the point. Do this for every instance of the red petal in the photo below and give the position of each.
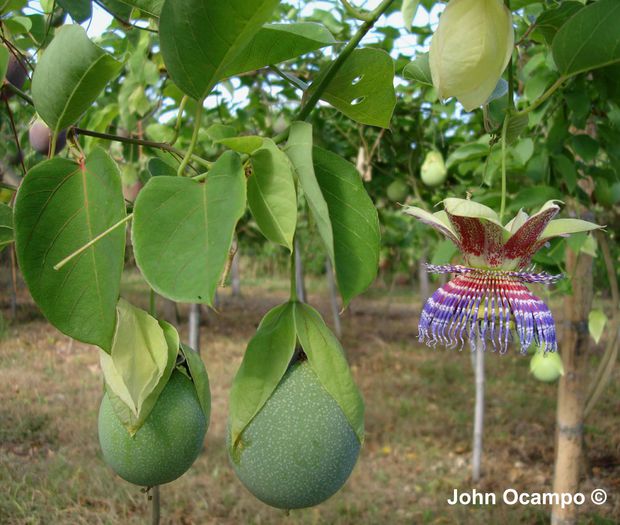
(523, 244)
(479, 238)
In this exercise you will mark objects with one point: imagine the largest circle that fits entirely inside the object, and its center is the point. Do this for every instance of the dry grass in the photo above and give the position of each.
(418, 422)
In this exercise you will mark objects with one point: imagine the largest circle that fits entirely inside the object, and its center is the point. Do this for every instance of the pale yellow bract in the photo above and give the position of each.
(470, 50)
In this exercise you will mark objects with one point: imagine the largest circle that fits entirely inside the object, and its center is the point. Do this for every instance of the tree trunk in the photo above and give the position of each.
(333, 296)
(299, 273)
(476, 454)
(572, 388)
(194, 327)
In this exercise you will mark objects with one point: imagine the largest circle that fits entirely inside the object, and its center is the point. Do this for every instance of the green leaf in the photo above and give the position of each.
(80, 10)
(409, 9)
(596, 324)
(363, 88)
(60, 207)
(200, 39)
(354, 220)
(548, 23)
(100, 122)
(152, 7)
(517, 124)
(589, 39)
(326, 357)
(419, 70)
(4, 62)
(265, 361)
(139, 365)
(247, 144)
(585, 146)
(70, 76)
(199, 376)
(158, 167)
(275, 43)
(6, 225)
(299, 150)
(183, 230)
(271, 194)
(564, 227)
(467, 152)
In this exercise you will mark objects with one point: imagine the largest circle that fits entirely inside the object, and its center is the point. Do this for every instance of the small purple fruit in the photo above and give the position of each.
(41, 136)
(15, 75)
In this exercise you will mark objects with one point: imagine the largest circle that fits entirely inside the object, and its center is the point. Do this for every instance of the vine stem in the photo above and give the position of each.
(502, 208)
(326, 79)
(92, 242)
(356, 13)
(177, 126)
(293, 293)
(129, 140)
(543, 98)
(194, 141)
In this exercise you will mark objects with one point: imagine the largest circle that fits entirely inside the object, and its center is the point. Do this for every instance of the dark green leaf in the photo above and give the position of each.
(363, 88)
(275, 43)
(80, 10)
(60, 207)
(152, 7)
(158, 167)
(327, 359)
(516, 125)
(589, 39)
(70, 76)
(354, 220)
(265, 361)
(247, 144)
(299, 150)
(200, 378)
(271, 194)
(183, 230)
(419, 70)
(199, 39)
(548, 23)
(6, 225)
(4, 62)
(585, 146)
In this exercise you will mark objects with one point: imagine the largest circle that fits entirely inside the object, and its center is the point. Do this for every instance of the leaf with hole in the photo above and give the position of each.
(275, 43)
(60, 207)
(363, 88)
(70, 76)
(354, 220)
(589, 39)
(183, 230)
(200, 39)
(271, 194)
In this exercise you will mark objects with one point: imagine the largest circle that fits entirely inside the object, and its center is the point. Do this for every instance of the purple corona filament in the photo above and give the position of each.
(487, 299)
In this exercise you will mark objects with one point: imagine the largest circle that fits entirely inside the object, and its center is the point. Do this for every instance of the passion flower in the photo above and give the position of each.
(489, 295)
(470, 50)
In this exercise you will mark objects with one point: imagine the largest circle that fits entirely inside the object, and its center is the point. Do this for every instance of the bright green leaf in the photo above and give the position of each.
(589, 39)
(561, 227)
(363, 88)
(271, 194)
(183, 230)
(60, 207)
(265, 361)
(200, 39)
(200, 378)
(409, 9)
(596, 324)
(419, 70)
(299, 150)
(70, 76)
(247, 144)
(152, 7)
(4, 62)
(326, 357)
(354, 220)
(6, 225)
(275, 43)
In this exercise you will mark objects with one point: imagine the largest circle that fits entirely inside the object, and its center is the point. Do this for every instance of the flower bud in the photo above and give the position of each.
(470, 50)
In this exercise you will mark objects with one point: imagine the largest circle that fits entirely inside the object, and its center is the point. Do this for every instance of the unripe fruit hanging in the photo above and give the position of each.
(433, 171)
(547, 367)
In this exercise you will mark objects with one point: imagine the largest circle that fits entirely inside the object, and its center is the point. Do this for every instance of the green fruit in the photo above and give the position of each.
(397, 191)
(547, 367)
(433, 170)
(165, 446)
(299, 449)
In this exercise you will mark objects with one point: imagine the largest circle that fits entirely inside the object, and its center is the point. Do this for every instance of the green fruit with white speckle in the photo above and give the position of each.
(299, 449)
(547, 367)
(166, 445)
